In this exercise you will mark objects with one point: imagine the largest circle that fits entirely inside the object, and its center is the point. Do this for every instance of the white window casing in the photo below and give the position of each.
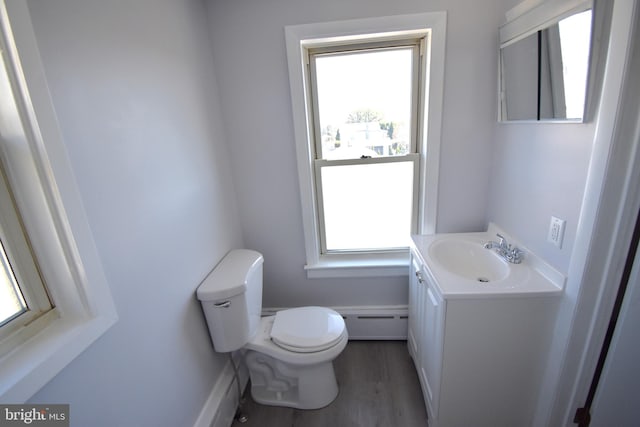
(46, 195)
(301, 38)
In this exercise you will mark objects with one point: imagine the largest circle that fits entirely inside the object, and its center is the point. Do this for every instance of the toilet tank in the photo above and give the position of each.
(231, 298)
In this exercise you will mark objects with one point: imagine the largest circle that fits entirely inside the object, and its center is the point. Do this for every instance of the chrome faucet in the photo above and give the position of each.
(510, 253)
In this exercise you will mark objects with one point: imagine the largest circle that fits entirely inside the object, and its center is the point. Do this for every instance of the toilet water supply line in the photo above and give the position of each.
(239, 415)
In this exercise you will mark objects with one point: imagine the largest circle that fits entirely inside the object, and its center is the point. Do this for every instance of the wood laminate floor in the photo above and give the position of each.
(378, 387)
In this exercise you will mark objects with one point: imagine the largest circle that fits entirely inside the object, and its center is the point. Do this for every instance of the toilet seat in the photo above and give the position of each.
(307, 329)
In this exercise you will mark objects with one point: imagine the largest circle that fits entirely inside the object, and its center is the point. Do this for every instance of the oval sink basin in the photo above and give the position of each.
(469, 259)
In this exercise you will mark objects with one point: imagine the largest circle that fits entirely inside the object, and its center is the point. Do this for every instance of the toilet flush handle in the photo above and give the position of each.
(223, 304)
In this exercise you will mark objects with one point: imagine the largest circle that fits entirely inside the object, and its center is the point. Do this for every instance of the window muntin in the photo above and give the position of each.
(366, 121)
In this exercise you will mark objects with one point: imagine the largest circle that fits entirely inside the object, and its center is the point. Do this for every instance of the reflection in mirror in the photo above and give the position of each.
(544, 75)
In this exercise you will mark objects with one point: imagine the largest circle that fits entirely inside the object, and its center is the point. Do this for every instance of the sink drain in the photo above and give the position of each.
(483, 279)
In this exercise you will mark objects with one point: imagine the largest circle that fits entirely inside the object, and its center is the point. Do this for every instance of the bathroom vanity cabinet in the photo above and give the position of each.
(479, 356)
(426, 330)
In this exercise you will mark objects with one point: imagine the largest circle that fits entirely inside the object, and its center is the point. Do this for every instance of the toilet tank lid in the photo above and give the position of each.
(229, 278)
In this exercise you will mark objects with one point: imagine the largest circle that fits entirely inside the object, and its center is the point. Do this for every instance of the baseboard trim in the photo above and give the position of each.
(375, 322)
(220, 407)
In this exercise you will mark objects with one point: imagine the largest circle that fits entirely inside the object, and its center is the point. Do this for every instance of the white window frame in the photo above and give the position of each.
(18, 258)
(299, 38)
(417, 46)
(47, 197)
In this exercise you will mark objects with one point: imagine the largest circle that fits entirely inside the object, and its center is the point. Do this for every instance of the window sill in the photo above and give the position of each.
(30, 366)
(360, 265)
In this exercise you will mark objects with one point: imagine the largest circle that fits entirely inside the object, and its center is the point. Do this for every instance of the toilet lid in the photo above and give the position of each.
(307, 329)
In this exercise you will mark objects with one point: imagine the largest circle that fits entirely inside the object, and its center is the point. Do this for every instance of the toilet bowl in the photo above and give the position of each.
(289, 355)
(288, 369)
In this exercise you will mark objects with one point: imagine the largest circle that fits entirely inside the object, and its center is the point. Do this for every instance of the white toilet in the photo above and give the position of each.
(289, 355)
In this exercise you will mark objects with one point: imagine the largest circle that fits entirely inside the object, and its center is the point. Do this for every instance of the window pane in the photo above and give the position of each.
(364, 103)
(11, 301)
(367, 206)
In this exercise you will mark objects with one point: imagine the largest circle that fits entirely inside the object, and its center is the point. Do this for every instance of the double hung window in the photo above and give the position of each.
(365, 116)
(367, 99)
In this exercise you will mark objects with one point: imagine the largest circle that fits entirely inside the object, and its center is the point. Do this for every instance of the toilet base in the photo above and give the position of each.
(276, 383)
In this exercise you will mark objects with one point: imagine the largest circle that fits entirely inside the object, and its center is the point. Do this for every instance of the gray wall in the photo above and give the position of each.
(540, 170)
(250, 58)
(133, 85)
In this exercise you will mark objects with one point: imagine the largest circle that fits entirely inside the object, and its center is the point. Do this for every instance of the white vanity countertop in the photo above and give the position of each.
(532, 277)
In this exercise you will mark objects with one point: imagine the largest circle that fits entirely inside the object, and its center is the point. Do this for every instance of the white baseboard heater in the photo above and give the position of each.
(387, 322)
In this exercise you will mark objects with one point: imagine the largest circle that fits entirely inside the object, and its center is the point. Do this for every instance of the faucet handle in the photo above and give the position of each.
(502, 241)
(515, 255)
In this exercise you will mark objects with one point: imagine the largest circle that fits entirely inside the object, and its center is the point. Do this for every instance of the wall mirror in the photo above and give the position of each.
(544, 62)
